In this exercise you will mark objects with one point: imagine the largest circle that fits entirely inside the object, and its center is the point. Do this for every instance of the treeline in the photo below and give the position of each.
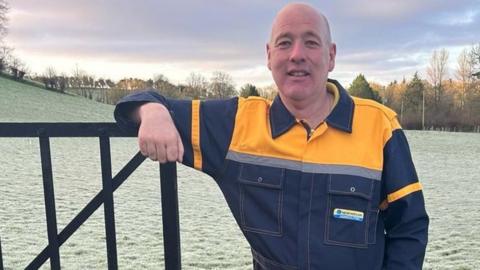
(442, 100)
(447, 99)
(196, 86)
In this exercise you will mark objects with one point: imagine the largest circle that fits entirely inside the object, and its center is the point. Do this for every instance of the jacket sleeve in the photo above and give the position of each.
(405, 217)
(206, 127)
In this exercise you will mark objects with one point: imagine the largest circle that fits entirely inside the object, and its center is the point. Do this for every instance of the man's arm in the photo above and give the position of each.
(406, 221)
(196, 133)
(158, 138)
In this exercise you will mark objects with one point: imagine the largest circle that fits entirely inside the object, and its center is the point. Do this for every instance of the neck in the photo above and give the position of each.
(312, 111)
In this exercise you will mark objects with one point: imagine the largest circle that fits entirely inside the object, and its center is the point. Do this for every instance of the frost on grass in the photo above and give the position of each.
(24, 103)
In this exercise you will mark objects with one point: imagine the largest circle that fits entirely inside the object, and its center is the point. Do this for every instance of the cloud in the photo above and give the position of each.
(374, 35)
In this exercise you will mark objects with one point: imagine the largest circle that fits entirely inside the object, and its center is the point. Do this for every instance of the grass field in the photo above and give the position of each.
(448, 165)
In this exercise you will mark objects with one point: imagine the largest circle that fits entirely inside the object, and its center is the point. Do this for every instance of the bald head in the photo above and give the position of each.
(300, 54)
(295, 13)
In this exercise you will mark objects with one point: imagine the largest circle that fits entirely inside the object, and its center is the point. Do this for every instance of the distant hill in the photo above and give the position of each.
(25, 103)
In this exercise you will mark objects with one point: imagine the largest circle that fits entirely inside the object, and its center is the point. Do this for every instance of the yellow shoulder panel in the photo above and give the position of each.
(372, 127)
(383, 114)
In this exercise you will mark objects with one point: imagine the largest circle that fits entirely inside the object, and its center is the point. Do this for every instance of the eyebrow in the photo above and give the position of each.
(313, 34)
(306, 34)
(282, 35)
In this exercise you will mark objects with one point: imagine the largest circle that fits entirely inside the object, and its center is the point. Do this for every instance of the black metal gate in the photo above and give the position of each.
(168, 179)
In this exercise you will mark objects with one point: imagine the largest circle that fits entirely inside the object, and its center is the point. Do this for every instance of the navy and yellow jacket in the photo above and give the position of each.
(346, 197)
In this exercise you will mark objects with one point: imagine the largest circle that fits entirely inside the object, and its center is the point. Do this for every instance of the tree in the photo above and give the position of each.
(221, 85)
(49, 78)
(361, 88)
(393, 94)
(17, 67)
(464, 74)
(437, 71)
(132, 84)
(77, 81)
(472, 105)
(149, 83)
(475, 55)
(109, 83)
(249, 90)
(5, 57)
(3, 19)
(161, 83)
(197, 86)
(62, 82)
(269, 92)
(413, 97)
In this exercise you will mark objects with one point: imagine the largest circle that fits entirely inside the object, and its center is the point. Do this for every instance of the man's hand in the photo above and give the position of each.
(158, 138)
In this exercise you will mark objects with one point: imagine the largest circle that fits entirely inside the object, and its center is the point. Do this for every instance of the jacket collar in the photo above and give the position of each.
(281, 120)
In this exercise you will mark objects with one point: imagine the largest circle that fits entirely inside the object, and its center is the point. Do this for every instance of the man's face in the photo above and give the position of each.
(300, 55)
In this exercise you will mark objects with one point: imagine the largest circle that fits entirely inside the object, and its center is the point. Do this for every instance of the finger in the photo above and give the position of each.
(180, 149)
(143, 147)
(172, 151)
(152, 151)
(161, 153)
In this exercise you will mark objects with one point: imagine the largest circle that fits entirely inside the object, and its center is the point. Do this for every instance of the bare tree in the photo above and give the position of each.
(269, 92)
(49, 78)
(475, 55)
(197, 86)
(3, 18)
(221, 85)
(437, 72)
(5, 57)
(16, 67)
(464, 74)
(77, 80)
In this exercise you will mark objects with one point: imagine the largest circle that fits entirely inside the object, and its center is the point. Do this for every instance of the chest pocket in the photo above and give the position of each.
(261, 199)
(350, 220)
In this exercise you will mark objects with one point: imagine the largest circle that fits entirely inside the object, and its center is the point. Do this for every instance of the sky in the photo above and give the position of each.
(384, 40)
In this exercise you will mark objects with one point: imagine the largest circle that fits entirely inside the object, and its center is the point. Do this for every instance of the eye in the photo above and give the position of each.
(283, 44)
(312, 43)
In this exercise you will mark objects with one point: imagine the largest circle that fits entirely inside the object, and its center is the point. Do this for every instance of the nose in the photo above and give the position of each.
(297, 54)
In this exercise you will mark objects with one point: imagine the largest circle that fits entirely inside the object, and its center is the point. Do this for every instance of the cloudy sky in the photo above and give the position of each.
(385, 40)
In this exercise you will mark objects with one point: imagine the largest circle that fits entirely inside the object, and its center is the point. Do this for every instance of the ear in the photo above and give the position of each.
(268, 56)
(332, 52)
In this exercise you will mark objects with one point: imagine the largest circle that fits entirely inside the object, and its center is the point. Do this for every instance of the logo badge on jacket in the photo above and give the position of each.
(348, 214)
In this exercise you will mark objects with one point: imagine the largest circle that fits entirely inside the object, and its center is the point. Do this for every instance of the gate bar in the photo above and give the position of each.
(49, 202)
(171, 227)
(88, 210)
(109, 214)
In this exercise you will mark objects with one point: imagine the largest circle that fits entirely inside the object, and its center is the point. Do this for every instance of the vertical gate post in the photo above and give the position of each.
(108, 206)
(1, 256)
(49, 196)
(171, 227)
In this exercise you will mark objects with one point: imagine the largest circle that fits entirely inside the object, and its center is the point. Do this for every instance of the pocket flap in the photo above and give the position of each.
(261, 176)
(351, 186)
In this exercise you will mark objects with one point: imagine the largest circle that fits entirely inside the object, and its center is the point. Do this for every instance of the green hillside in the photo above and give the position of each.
(24, 103)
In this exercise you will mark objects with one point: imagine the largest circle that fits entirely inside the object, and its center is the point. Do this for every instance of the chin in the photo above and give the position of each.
(297, 94)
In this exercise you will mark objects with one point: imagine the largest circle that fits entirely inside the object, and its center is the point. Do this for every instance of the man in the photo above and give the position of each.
(315, 179)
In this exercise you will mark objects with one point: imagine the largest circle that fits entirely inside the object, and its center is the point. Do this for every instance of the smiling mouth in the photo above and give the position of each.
(298, 73)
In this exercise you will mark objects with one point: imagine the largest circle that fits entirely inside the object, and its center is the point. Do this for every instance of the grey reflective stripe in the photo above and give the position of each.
(304, 167)
(342, 169)
(265, 161)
